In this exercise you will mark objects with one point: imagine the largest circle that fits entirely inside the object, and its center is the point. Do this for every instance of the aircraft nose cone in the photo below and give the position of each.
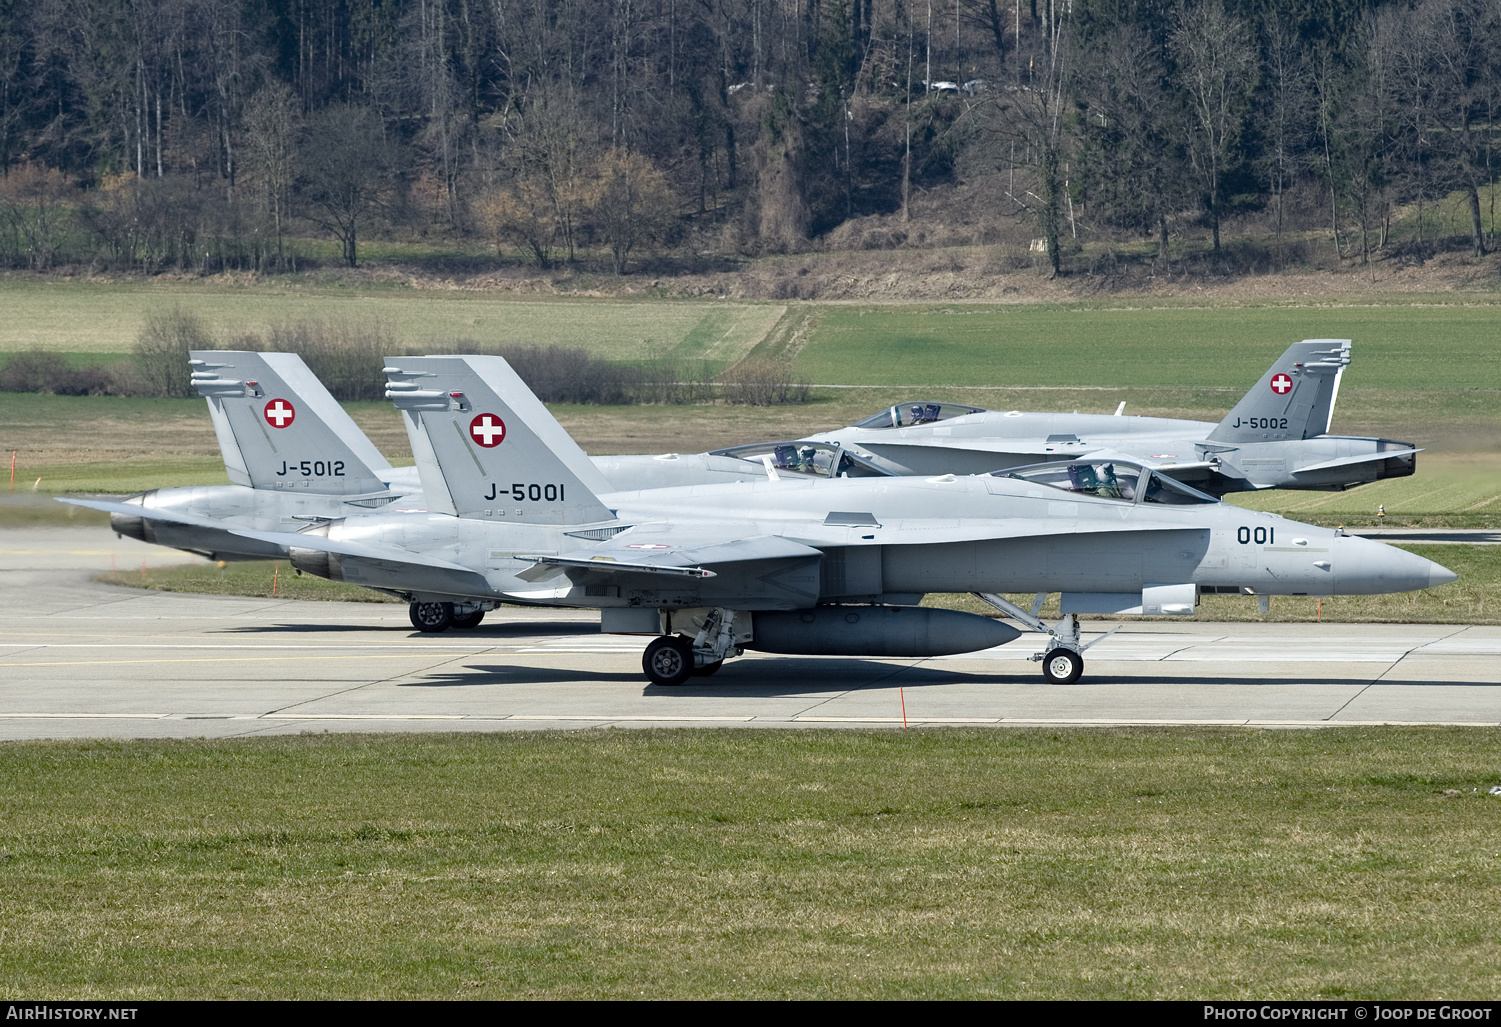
(1439, 575)
(1365, 567)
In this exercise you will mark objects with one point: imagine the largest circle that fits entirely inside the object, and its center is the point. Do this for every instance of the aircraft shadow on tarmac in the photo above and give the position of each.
(752, 679)
(769, 679)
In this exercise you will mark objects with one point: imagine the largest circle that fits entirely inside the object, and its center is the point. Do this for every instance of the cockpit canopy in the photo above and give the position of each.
(805, 459)
(907, 415)
(1109, 479)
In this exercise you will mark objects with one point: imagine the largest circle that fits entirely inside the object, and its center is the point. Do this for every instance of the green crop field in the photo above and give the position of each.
(1166, 864)
(84, 318)
(1398, 346)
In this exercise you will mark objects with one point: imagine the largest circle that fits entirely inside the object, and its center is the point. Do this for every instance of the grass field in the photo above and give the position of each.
(83, 317)
(1400, 346)
(1171, 864)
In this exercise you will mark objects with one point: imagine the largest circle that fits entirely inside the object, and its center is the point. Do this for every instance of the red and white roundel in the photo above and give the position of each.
(1281, 384)
(279, 413)
(488, 430)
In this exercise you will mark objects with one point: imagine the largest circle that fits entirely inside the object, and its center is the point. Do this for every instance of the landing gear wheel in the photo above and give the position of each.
(668, 660)
(431, 618)
(469, 620)
(707, 669)
(1062, 666)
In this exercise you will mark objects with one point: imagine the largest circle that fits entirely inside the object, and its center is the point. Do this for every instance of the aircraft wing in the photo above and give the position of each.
(671, 553)
(924, 531)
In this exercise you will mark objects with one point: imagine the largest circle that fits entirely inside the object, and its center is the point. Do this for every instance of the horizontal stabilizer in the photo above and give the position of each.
(322, 544)
(145, 512)
(1352, 461)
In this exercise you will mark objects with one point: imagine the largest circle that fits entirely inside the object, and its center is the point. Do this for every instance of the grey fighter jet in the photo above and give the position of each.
(519, 513)
(292, 453)
(295, 457)
(1277, 436)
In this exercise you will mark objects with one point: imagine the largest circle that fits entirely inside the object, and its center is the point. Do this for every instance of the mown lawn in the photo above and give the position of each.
(1179, 864)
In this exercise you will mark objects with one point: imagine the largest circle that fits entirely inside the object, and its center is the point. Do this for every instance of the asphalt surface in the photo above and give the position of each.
(81, 659)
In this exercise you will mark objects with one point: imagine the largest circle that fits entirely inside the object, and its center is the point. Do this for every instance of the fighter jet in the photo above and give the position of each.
(839, 566)
(292, 453)
(295, 457)
(1275, 437)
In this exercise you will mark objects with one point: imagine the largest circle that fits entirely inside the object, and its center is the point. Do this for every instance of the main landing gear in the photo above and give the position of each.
(431, 618)
(1063, 660)
(671, 660)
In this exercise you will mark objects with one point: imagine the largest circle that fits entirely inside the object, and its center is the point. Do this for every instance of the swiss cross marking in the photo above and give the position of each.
(279, 413)
(488, 430)
(1281, 384)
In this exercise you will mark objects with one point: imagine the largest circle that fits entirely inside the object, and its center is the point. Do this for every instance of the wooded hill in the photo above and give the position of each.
(206, 135)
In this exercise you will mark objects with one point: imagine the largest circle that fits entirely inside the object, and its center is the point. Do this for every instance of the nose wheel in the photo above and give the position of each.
(1062, 666)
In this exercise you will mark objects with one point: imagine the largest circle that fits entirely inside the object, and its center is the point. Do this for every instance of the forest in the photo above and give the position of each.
(218, 135)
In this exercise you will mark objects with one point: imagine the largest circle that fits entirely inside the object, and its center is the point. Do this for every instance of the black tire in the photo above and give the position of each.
(668, 661)
(431, 618)
(467, 621)
(707, 669)
(1062, 666)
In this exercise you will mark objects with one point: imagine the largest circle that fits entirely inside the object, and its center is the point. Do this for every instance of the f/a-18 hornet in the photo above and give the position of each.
(839, 567)
(295, 457)
(1277, 436)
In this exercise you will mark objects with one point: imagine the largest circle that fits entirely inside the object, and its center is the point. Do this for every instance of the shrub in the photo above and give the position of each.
(762, 383)
(161, 352)
(40, 371)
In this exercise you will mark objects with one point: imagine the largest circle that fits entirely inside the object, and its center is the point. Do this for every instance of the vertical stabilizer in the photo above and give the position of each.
(279, 428)
(1292, 400)
(487, 444)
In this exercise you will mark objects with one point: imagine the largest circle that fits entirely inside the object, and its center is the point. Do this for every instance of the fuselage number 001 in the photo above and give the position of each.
(1261, 536)
(529, 493)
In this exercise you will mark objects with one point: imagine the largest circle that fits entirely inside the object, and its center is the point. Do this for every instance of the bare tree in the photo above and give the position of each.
(634, 204)
(347, 169)
(1132, 153)
(1029, 121)
(1462, 39)
(272, 122)
(1217, 72)
(523, 214)
(1287, 115)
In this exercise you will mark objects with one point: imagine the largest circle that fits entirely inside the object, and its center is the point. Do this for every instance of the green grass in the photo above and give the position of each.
(1448, 346)
(1181, 864)
(86, 317)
